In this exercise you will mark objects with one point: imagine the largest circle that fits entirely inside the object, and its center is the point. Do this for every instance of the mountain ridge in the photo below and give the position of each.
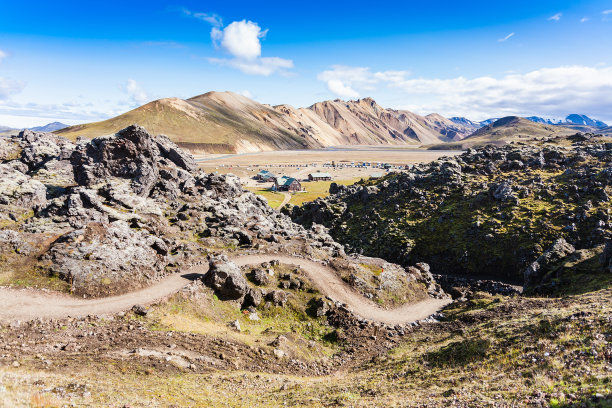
(221, 122)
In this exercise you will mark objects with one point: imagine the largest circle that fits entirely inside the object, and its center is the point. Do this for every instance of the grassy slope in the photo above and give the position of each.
(461, 229)
(491, 351)
(217, 130)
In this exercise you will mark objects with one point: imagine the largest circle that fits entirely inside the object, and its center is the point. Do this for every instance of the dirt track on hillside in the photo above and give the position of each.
(24, 304)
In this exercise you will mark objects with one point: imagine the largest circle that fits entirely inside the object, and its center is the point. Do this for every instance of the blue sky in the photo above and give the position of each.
(79, 61)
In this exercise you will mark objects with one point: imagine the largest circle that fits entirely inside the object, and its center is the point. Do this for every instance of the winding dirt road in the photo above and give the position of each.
(24, 304)
(286, 200)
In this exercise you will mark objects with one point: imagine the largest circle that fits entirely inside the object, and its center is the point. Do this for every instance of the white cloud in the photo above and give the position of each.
(165, 44)
(136, 93)
(246, 93)
(556, 17)
(211, 18)
(584, 19)
(606, 12)
(242, 40)
(343, 80)
(20, 115)
(506, 38)
(258, 66)
(551, 92)
(10, 87)
(339, 88)
(3, 55)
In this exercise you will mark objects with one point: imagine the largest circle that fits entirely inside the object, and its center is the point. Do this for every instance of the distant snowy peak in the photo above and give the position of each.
(465, 122)
(577, 119)
(538, 119)
(488, 121)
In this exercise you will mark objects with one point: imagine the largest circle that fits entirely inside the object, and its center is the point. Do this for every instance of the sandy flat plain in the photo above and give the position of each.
(298, 163)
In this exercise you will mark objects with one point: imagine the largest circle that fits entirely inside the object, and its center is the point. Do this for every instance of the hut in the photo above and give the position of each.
(319, 176)
(285, 183)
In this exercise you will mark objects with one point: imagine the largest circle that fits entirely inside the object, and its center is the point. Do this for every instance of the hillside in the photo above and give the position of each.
(492, 211)
(505, 130)
(227, 122)
(515, 128)
(365, 122)
(122, 264)
(214, 122)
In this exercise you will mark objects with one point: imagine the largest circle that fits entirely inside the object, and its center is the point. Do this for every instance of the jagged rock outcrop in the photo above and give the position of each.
(131, 154)
(18, 189)
(108, 256)
(557, 251)
(127, 209)
(490, 211)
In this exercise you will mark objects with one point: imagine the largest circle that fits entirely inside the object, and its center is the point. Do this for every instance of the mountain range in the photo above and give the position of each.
(225, 122)
(49, 127)
(570, 120)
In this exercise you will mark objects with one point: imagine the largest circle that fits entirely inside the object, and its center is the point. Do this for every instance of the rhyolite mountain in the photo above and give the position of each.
(227, 122)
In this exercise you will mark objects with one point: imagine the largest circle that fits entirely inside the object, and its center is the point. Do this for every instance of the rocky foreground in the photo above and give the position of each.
(113, 214)
(116, 213)
(538, 215)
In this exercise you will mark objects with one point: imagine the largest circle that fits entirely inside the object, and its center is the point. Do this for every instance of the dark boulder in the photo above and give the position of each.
(260, 277)
(278, 297)
(226, 279)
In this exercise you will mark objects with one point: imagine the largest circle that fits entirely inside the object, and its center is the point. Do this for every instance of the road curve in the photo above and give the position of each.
(26, 304)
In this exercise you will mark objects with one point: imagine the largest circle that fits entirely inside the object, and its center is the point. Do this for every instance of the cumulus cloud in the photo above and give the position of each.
(551, 92)
(555, 17)
(345, 81)
(242, 41)
(10, 87)
(339, 88)
(137, 94)
(506, 38)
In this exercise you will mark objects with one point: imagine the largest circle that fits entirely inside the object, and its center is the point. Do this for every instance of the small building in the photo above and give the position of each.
(265, 175)
(285, 183)
(376, 175)
(319, 176)
(261, 174)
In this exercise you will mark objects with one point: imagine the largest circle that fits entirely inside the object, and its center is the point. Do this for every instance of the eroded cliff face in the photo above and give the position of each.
(365, 122)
